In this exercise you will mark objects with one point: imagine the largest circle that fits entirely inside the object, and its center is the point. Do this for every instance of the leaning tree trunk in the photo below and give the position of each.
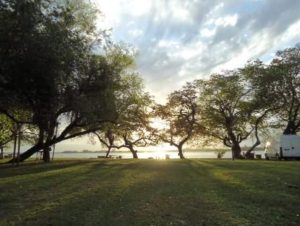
(108, 152)
(41, 145)
(180, 152)
(25, 155)
(248, 153)
(133, 152)
(236, 150)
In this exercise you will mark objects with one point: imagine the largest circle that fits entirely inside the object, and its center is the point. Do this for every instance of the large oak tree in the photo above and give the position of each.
(53, 66)
(230, 111)
(279, 87)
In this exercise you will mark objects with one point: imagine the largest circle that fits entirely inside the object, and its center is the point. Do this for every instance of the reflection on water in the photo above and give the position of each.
(147, 154)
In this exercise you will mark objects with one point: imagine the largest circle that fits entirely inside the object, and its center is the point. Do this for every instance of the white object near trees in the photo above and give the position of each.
(288, 146)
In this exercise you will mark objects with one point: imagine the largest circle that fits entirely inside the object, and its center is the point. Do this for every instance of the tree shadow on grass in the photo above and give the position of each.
(142, 193)
(41, 193)
(72, 193)
(135, 193)
(247, 199)
(262, 165)
(32, 167)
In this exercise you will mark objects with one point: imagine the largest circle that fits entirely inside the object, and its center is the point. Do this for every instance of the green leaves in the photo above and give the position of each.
(6, 129)
(277, 86)
(56, 65)
(180, 115)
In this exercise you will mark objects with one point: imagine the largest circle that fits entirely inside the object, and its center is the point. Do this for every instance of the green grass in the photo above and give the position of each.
(150, 192)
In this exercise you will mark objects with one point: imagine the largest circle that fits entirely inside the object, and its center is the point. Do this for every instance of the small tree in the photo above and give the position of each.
(229, 110)
(106, 137)
(181, 118)
(132, 127)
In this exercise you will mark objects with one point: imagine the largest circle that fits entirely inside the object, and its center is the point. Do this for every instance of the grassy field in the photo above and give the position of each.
(151, 192)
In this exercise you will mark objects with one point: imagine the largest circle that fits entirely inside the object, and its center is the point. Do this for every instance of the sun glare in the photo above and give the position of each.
(158, 154)
(158, 124)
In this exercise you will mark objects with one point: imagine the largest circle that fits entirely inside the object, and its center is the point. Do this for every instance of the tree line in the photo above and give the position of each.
(61, 78)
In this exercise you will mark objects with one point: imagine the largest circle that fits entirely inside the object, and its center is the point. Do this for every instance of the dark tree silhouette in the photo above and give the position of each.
(229, 110)
(132, 127)
(49, 69)
(181, 117)
(279, 87)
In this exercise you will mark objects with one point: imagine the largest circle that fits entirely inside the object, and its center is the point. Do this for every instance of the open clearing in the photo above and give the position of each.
(151, 192)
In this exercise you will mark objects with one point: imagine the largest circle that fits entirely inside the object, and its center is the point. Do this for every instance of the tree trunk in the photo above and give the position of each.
(28, 153)
(180, 152)
(236, 151)
(108, 152)
(291, 128)
(53, 151)
(1, 152)
(37, 147)
(54, 140)
(46, 154)
(134, 153)
(15, 149)
(19, 147)
(248, 153)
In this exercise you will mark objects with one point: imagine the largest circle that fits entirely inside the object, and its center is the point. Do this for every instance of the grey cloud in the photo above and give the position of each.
(159, 65)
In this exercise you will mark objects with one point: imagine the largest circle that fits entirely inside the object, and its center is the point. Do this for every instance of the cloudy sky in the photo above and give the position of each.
(180, 40)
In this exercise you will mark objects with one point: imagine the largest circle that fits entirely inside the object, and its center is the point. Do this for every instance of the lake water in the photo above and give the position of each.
(147, 154)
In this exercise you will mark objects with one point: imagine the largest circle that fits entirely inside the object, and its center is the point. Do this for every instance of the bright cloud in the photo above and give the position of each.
(135, 33)
(225, 21)
(179, 41)
(207, 33)
(138, 7)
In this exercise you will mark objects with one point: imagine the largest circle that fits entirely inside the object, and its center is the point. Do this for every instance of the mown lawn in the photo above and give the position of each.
(151, 192)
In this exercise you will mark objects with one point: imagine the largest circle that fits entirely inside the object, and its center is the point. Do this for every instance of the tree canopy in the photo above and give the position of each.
(280, 86)
(132, 127)
(229, 109)
(181, 116)
(50, 69)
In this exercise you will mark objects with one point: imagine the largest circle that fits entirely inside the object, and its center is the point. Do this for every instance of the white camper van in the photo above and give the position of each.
(288, 147)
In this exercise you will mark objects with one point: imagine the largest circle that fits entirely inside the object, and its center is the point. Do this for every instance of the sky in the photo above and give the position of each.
(182, 40)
